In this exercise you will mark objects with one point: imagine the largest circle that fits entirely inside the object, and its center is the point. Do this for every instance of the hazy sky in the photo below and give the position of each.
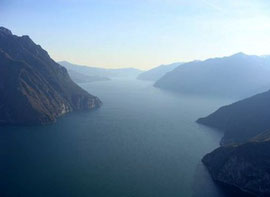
(140, 33)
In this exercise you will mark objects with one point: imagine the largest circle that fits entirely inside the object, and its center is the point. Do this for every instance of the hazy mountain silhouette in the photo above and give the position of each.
(82, 78)
(101, 72)
(236, 76)
(33, 88)
(158, 72)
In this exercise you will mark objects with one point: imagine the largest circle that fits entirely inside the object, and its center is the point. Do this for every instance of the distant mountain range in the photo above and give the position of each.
(236, 76)
(33, 88)
(99, 73)
(82, 78)
(158, 72)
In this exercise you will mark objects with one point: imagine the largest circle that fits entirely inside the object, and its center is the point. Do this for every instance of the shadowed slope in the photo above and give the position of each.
(241, 120)
(35, 89)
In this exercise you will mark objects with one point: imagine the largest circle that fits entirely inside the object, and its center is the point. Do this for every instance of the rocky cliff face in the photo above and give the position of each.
(245, 166)
(33, 88)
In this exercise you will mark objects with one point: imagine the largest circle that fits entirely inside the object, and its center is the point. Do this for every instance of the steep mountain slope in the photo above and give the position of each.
(242, 120)
(158, 72)
(33, 88)
(237, 76)
(101, 72)
(245, 166)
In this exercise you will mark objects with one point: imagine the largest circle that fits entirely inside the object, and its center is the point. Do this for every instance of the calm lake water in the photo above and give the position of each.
(143, 142)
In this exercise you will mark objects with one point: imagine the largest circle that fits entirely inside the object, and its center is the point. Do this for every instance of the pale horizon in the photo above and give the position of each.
(222, 56)
(140, 34)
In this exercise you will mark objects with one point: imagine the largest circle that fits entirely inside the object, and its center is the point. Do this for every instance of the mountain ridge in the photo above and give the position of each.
(34, 88)
(241, 120)
(237, 76)
(157, 72)
(101, 72)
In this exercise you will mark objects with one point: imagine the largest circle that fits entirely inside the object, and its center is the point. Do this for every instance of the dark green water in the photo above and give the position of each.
(143, 142)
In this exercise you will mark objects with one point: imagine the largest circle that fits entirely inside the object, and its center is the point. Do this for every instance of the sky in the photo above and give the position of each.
(140, 33)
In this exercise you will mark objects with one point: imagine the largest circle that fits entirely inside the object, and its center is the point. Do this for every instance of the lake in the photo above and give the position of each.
(143, 142)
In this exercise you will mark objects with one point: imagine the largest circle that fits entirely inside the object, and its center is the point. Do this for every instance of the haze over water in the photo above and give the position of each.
(142, 142)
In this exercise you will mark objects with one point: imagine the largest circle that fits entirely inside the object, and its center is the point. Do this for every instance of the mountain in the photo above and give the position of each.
(34, 89)
(101, 72)
(82, 78)
(158, 72)
(237, 76)
(243, 159)
(242, 120)
(244, 166)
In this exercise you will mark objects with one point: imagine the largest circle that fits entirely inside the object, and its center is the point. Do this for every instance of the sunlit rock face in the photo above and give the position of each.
(34, 89)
